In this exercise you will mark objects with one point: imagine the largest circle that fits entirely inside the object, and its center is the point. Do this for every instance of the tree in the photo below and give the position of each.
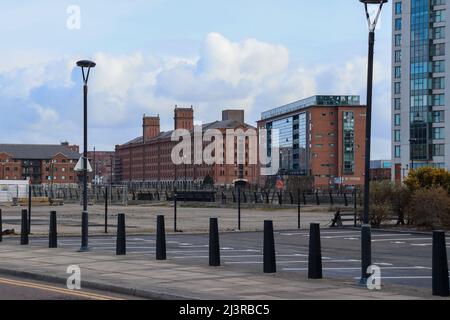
(428, 177)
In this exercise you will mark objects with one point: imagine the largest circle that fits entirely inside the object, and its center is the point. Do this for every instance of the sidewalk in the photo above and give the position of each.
(142, 275)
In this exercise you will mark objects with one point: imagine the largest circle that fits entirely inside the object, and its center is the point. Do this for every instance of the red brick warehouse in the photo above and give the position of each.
(147, 159)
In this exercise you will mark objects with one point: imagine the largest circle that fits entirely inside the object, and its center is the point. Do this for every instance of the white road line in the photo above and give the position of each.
(289, 262)
(421, 244)
(373, 235)
(405, 277)
(403, 239)
(322, 232)
(350, 268)
(241, 256)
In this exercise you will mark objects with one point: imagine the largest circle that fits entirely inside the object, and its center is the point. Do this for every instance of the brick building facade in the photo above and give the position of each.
(102, 163)
(323, 137)
(42, 164)
(147, 159)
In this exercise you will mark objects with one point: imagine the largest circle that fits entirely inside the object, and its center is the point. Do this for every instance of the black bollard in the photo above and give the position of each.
(440, 265)
(214, 247)
(315, 253)
(317, 198)
(1, 227)
(53, 234)
(366, 252)
(121, 246)
(269, 248)
(160, 239)
(24, 228)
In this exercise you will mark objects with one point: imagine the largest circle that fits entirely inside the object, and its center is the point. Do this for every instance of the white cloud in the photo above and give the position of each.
(250, 74)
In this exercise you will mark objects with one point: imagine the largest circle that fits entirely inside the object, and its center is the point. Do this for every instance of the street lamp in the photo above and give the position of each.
(366, 250)
(85, 64)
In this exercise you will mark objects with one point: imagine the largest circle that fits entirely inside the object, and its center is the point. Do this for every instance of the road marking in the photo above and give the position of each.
(288, 262)
(411, 239)
(242, 256)
(421, 244)
(322, 232)
(57, 290)
(351, 268)
(373, 235)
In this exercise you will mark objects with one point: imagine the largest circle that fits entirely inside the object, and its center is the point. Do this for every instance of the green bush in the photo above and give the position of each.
(381, 196)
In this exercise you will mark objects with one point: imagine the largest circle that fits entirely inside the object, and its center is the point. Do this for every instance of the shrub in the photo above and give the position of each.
(430, 208)
(400, 200)
(381, 195)
(428, 177)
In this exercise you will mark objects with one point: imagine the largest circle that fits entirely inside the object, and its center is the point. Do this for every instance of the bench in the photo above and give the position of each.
(344, 216)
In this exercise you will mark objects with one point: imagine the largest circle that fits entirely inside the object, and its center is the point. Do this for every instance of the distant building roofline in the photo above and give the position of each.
(320, 100)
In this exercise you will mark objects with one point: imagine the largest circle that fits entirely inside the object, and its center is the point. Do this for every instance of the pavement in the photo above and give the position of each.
(404, 258)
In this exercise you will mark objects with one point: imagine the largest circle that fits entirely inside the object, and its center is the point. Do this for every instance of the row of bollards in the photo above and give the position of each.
(440, 275)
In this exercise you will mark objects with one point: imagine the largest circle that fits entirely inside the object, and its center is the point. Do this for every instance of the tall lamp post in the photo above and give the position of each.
(85, 66)
(366, 245)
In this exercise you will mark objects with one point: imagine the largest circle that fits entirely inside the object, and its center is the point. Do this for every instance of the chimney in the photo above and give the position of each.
(150, 127)
(184, 118)
(237, 115)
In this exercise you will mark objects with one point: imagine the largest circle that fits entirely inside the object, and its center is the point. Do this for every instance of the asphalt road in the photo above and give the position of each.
(404, 258)
(12, 288)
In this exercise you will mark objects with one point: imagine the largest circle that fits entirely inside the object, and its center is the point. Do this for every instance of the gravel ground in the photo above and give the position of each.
(142, 218)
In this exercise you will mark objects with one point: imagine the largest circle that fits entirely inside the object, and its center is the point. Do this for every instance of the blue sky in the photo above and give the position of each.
(152, 55)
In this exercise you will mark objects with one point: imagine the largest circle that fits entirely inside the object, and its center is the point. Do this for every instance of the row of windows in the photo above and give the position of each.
(437, 150)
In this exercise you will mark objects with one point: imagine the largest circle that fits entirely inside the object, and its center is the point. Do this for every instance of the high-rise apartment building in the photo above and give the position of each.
(420, 83)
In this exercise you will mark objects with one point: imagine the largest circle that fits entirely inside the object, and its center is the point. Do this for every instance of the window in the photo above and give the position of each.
(397, 135)
(439, 83)
(349, 142)
(438, 2)
(439, 66)
(438, 100)
(398, 24)
(438, 150)
(397, 72)
(398, 39)
(398, 8)
(438, 116)
(397, 103)
(438, 133)
(439, 33)
(398, 56)
(397, 119)
(397, 88)
(438, 16)
(397, 151)
(438, 49)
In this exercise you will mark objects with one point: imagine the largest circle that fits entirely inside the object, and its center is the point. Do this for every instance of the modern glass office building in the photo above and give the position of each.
(321, 136)
(420, 117)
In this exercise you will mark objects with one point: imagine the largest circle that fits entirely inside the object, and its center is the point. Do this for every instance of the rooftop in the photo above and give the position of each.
(37, 151)
(223, 124)
(312, 101)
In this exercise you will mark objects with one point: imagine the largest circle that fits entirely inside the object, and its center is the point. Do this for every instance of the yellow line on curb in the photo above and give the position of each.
(57, 290)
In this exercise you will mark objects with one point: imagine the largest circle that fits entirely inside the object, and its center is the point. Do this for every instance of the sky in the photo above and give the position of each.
(154, 54)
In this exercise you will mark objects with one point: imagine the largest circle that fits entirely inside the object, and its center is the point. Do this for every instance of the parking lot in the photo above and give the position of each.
(404, 258)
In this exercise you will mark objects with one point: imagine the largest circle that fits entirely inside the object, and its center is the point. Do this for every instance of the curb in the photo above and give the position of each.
(151, 295)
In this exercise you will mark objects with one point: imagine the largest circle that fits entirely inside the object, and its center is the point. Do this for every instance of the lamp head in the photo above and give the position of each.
(86, 64)
(373, 1)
